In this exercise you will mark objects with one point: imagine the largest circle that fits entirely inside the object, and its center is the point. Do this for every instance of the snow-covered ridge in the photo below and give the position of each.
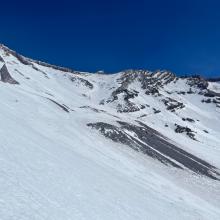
(28, 61)
(132, 145)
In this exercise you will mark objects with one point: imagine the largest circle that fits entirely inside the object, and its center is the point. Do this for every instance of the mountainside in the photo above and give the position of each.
(131, 145)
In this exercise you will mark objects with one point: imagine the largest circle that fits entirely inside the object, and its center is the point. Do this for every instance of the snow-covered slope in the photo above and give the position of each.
(132, 145)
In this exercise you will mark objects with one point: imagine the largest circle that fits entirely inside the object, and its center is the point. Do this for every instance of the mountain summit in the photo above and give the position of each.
(132, 145)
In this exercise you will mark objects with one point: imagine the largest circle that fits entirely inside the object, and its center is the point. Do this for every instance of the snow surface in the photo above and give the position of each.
(214, 86)
(54, 167)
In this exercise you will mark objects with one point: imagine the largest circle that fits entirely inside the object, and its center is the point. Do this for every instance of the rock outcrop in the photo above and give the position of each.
(6, 77)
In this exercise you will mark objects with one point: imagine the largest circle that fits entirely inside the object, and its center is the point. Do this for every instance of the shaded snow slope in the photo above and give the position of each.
(132, 145)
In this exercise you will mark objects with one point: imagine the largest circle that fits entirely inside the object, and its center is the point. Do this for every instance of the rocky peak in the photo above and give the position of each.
(198, 82)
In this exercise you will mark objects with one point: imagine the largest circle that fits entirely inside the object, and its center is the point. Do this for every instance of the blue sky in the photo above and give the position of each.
(182, 36)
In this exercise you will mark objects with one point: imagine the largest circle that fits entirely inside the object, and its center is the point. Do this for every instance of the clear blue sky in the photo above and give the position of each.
(179, 35)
